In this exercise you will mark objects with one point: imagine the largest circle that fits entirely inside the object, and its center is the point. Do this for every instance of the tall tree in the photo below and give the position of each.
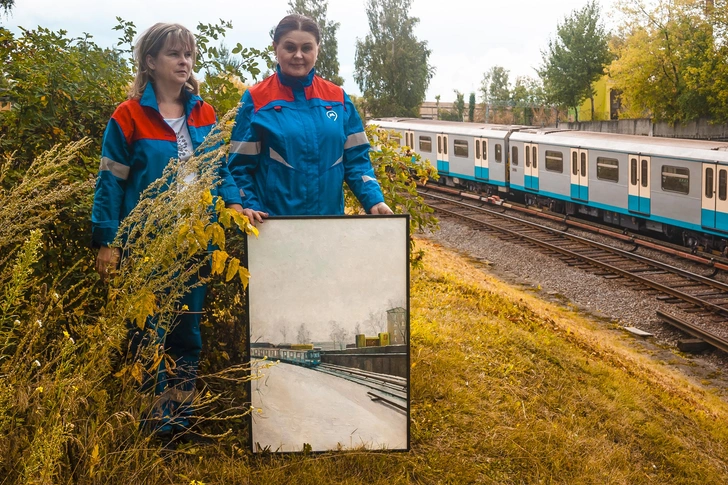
(671, 61)
(458, 108)
(459, 105)
(6, 5)
(495, 90)
(576, 57)
(392, 67)
(527, 97)
(327, 64)
(471, 107)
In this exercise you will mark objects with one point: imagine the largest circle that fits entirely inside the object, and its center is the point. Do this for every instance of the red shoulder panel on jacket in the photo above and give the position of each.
(202, 115)
(139, 122)
(270, 90)
(124, 117)
(324, 90)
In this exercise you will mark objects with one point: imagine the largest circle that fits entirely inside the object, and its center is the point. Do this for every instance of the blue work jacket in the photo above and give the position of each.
(136, 148)
(294, 144)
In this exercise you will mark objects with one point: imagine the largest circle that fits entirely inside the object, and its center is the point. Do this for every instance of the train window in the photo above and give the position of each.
(633, 171)
(643, 173)
(477, 149)
(444, 144)
(534, 157)
(608, 169)
(675, 179)
(528, 156)
(583, 164)
(722, 184)
(554, 161)
(574, 163)
(461, 148)
(498, 153)
(709, 183)
(425, 144)
(397, 139)
(514, 156)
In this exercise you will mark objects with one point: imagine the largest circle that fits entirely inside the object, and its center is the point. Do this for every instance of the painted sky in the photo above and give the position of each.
(466, 37)
(325, 270)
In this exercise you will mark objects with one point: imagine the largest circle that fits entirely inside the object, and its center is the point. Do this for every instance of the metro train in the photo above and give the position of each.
(676, 187)
(298, 354)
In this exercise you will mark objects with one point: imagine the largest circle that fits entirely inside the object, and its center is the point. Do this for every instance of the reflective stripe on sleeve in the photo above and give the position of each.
(245, 147)
(355, 140)
(118, 170)
(341, 159)
(367, 178)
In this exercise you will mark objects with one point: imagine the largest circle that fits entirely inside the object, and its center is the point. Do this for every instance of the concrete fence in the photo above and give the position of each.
(391, 359)
(700, 130)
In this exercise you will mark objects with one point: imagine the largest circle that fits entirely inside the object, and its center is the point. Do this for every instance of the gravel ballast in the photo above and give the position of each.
(607, 299)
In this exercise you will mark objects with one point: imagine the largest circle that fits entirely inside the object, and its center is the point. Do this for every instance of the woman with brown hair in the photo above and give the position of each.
(298, 137)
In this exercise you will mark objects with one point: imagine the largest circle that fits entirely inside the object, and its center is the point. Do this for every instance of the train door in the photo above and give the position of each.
(714, 214)
(481, 159)
(409, 139)
(580, 174)
(443, 165)
(639, 184)
(530, 166)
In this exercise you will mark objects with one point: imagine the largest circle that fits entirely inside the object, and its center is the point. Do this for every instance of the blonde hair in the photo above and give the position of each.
(150, 43)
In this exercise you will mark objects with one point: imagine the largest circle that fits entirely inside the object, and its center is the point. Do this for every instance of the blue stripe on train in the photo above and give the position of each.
(642, 205)
(579, 192)
(482, 173)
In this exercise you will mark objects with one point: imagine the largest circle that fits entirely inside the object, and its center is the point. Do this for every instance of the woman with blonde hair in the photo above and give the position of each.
(164, 118)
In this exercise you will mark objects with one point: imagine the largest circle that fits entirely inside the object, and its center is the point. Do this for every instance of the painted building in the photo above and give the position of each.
(606, 103)
(397, 326)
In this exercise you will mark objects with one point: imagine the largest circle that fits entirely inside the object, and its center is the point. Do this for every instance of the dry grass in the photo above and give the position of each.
(508, 389)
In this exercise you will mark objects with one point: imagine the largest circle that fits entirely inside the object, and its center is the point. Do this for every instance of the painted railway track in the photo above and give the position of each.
(692, 293)
(391, 390)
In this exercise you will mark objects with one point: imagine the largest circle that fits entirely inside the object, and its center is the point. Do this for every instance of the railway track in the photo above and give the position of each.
(388, 389)
(691, 293)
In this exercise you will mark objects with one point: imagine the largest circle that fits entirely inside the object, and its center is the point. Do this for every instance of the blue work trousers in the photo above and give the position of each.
(174, 388)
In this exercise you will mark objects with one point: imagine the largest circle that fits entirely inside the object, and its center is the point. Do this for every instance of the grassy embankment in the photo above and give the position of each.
(509, 389)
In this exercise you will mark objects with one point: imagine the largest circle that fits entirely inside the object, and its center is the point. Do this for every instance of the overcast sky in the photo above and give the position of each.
(467, 37)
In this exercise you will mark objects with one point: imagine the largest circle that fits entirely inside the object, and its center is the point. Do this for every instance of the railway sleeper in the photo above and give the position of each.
(711, 295)
(692, 345)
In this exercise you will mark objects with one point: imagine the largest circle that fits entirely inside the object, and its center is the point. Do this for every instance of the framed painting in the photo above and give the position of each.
(328, 319)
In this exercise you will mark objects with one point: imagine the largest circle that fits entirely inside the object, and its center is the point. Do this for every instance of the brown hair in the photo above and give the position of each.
(150, 43)
(293, 22)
